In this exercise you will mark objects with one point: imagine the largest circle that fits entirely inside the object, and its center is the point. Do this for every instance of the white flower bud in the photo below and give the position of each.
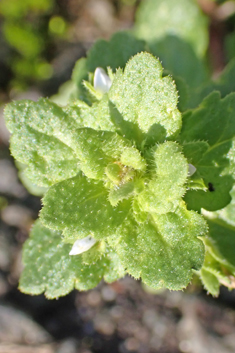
(82, 245)
(191, 169)
(102, 82)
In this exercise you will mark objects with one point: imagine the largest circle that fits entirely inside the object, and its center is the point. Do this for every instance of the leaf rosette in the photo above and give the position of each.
(119, 175)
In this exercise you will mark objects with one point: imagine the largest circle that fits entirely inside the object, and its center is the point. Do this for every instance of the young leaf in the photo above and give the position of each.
(164, 192)
(54, 271)
(121, 192)
(80, 207)
(143, 97)
(97, 116)
(96, 149)
(116, 270)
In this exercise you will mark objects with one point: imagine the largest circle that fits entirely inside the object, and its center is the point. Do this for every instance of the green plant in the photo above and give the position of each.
(134, 184)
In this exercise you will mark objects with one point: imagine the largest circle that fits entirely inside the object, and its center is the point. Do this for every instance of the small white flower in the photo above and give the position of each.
(191, 169)
(102, 82)
(82, 245)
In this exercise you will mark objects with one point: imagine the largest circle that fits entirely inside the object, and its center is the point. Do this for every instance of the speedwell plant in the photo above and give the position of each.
(132, 184)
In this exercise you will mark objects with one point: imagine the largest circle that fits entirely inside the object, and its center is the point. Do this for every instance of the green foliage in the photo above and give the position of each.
(164, 250)
(54, 272)
(17, 9)
(225, 84)
(88, 212)
(131, 184)
(167, 185)
(230, 46)
(25, 28)
(150, 106)
(219, 264)
(182, 18)
(216, 165)
(177, 33)
(38, 141)
(23, 38)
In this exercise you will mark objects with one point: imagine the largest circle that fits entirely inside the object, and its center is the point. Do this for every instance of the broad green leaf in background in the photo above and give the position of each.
(56, 273)
(164, 250)
(183, 91)
(225, 84)
(178, 57)
(113, 53)
(213, 122)
(156, 19)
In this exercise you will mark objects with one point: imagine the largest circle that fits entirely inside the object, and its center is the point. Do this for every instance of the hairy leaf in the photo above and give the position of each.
(96, 149)
(115, 181)
(54, 271)
(164, 192)
(42, 139)
(83, 209)
(164, 250)
(143, 97)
